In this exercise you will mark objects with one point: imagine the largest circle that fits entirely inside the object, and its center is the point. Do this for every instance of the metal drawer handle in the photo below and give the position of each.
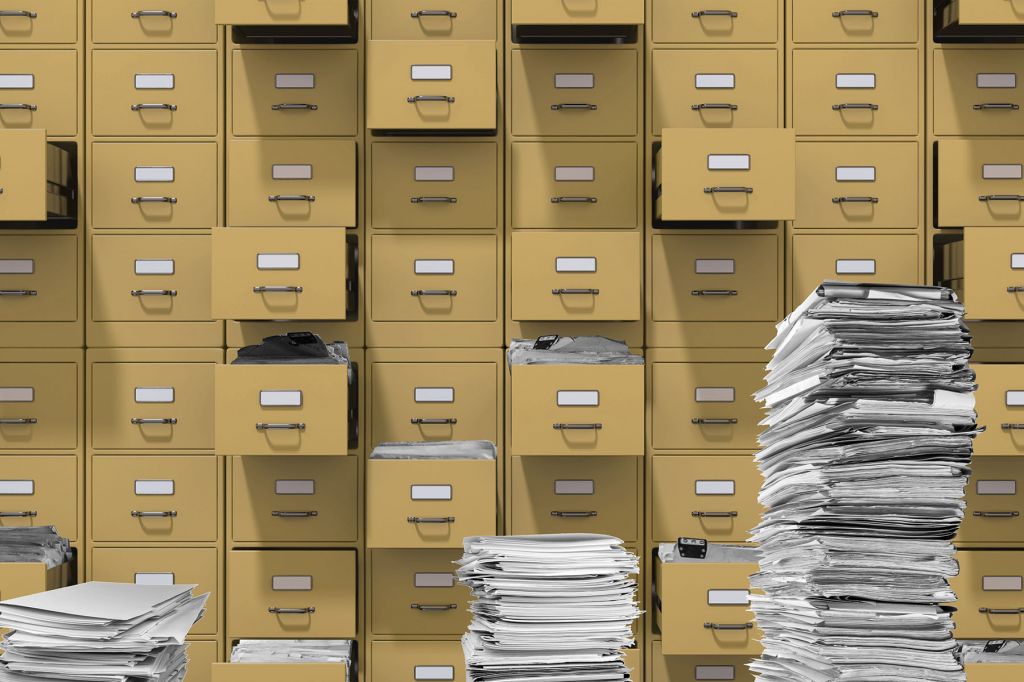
(419, 420)
(714, 515)
(728, 190)
(855, 13)
(714, 13)
(18, 292)
(303, 610)
(573, 200)
(433, 607)
(854, 200)
(154, 200)
(571, 106)
(1012, 427)
(18, 13)
(1015, 290)
(434, 292)
(433, 13)
(728, 626)
(29, 107)
(591, 292)
(998, 515)
(293, 426)
(138, 14)
(292, 197)
(294, 514)
(714, 292)
(574, 514)
(1001, 197)
(701, 107)
(261, 289)
(997, 105)
(168, 107)
(714, 422)
(139, 421)
(154, 292)
(430, 519)
(577, 427)
(1001, 612)
(854, 105)
(434, 200)
(430, 98)
(154, 514)
(19, 421)
(286, 107)
(18, 515)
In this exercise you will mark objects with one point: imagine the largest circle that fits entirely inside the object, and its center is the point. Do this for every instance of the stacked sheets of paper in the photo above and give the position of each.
(992, 651)
(294, 651)
(99, 632)
(548, 608)
(34, 544)
(571, 350)
(436, 449)
(869, 437)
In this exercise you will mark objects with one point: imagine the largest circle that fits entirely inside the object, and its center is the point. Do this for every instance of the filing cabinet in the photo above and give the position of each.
(1000, 404)
(888, 21)
(38, 406)
(40, 491)
(988, 12)
(976, 92)
(41, 21)
(980, 183)
(176, 22)
(25, 175)
(992, 271)
(300, 593)
(412, 661)
(698, 668)
(202, 657)
(416, 592)
(994, 501)
(407, 20)
(270, 672)
(281, 12)
(38, 278)
(989, 592)
(563, 276)
(884, 258)
(705, 496)
(19, 579)
(45, 97)
(578, 12)
(690, 21)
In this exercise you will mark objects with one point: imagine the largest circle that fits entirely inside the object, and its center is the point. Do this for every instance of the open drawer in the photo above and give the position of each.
(37, 180)
(23, 579)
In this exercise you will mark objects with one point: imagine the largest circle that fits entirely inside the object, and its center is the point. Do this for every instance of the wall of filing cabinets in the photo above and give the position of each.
(427, 182)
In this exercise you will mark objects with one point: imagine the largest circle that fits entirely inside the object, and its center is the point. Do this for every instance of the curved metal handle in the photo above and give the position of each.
(854, 200)
(714, 13)
(700, 421)
(286, 107)
(571, 106)
(1012, 427)
(277, 290)
(292, 426)
(18, 421)
(168, 107)
(292, 197)
(728, 190)
(430, 98)
(577, 427)
(28, 107)
(433, 607)
(434, 200)
(854, 105)
(154, 514)
(1015, 290)
(1001, 612)
(154, 292)
(855, 13)
(294, 514)
(1001, 197)
(430, 519)
(138, 14)
(18, 292)
(573, 200)
(997, 515)
(154, 200)
(714, 292)
(434, 292)
(18, 13)
(140, 421)
(728, 626)
(574, 514)
(997, 105)
(590, 292)
(419, 420)
(701, 107)
(714, 515)
(433, 13)
(18, 514)
(303, 610)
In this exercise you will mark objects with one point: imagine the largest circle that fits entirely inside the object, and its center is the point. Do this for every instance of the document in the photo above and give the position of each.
(34, 544)
(571, 350)
(294, 651)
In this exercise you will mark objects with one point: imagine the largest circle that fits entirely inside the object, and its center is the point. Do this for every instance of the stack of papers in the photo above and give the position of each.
(34, 544)
(548, 608)
(436, 449)
(99, 632)
(869, 438)
(571, 350)
(992, 651)
(294, 651)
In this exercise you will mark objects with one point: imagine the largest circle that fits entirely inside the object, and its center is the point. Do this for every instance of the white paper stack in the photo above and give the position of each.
(34, 544)
(548, 608)
(294, 651)
(99, 632)
(865, 458)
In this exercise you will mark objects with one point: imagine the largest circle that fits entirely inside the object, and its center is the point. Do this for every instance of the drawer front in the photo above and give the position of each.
(282, 409)
(298, 499)
(280, 274)
(980, 183)
(177, 21)
(38, 405)
(995, 501)
(990, 12)
(292, 183)
(576, 276)
(415, 661)
(689, 21)
(990, 593)
(416, 592)
(155, 278)
(733, 278)
(155, 185)
(154, 92)
(292, 593)
(992, 672)
(412, 503)
(431, 85)
(40, 491)
(1000, 406)
(38, 278)
(574, 184)
(154, 499)
(414, 401)
(575, 495)
(856, 258)
(152, 406)
(977, 92)
(577, 12)
(993, 261)
(434, 278)
(202, 656)
(888, 21)
(857, 184)
(23, 174)
(280, 12)
(41, 21)
(574, 92)
(39, 89)
(715, 89)
(705, 497)
(698, 668)
(164, 566)
(271, 672)
(294, 92)
(407, 20)
(855, 92)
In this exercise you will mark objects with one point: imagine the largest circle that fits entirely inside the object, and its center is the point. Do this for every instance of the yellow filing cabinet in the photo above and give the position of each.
(578, 12)
(23, 175)
(887, 259)
(994, 501)
(565, 276)
(38, 406)
(202, 655)
(976, 92)
(292, 593)
(39, 278)
(993, 273)
(415, 592)
(887, 21)
(40, 491)
(413, 661)
(1000, 406)
(41, 21)
(698, 668)
(176, 22)
(706, 496)
(993, 672)
(281, 12)
(39, 89)
(407, 20)
(23, 579)
(989, 591)
(274, 672)
(980, 183)
(989, 12)
(690, 21)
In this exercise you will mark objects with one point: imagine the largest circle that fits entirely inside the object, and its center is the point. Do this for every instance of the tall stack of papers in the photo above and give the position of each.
(294, 651)
(99, 632)
(548, 608)
(34, 544)
(865, 458)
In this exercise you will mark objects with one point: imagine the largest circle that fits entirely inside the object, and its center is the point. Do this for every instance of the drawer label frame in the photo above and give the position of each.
(431, 492)
(714, 81)
(154, 394)
(1002, 171)
(17, 394)
(154, 81)
(281, 398)
(576, 264)
(291, 583)
(431, 72)
(856, 174)
(433, 173)
(575, 487)
(295, 486)
(278, 261)
(433, 266)
(154, 173)
(1017, 261)
(433, 580)
(714, 672)
(1002, 583)
(717, 487)
(1001, 81)
(1014, 398)
(17, 81)
(714, 394)
(434, 673)
(575, 174)
(728, 597)
(18, 487)
(995, 487)
(17, 266)
(575, 81)
(154, 578)
(163, 487)
(856, 81)
(728, 162)
(714, 266)
(291, 171)
(856, 266)
(578, 398)
(433, 394)
(294, 81)
(154, 266)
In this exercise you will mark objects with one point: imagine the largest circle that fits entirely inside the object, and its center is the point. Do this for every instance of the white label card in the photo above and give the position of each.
(578, 398)
(997, 80)
(1002, 583)
(154, 174)
(154, 395)
(154, 487)
(154, 267)
(715, 81)
(728, 597)
(17, 266)
(714, 672)
(277, 261)
(996, 487)
(729, 162)
(715, 395)
(1017, 261)
(433, 672)
(715, 487)
(422, 492)
(1015, 398)
(281, 398)
(855, 173)
(434, 394)
(154, 578)
(154, 81)
(574, 81)
(294, 81)
(431, 72)
(568, 264)
(715, 266)
(855, 266)
(434, 173)
(583, 487)
(17, 394)
(855, 81)
(291, 583)
(441, 266)
(17, 487)
(434, 580)
(574, 173)
(295, 487)
(1002, 171)
(291, 171)
(17, 81)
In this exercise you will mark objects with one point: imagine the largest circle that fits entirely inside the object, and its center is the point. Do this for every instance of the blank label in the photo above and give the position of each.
(1015, 398)
(431, 492)
(715, 81)
(1002, 171)
(154, 81)
(17, 266)
(574, 173)
(715, 266)
(1002, 583)
(434, 580)
(17, 394)
(716, 487)
(281, 398)
(575, 264)
(855, 81)
(295, 487)
(434, 173)
(277, 261)
(294, 81)
(17, 487)
(574, 487)
(291, 583)
(154, 174)
(154, 395)
(434, 267)
(431, 72)
(997, 80)
(715, 395)
(855, 173)
(17, 81)
(728, 597)
(434, 395)
(863, 266)
(574, 81)
(154, 578)
(291, 171)
(1017, 261)
(434, 672)
(154, 487)
(729, 162)
(579, 398)
(154, 267)
(996, 487)
(714, 672)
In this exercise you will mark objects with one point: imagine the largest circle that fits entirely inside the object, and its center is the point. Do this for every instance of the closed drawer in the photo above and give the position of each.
(990, 594)
(574, 92)
(705, 497)
(418, 503)
(888, 21)
(690, 21)
(154, 92)
(38, 405)
(23, 175)
(38, 278)
(39, 89)
(993, 262)
(434, 185)
(272, 672)
(855, 92)
(993, 672)
(578, 12)
(715, 89)
(294, 92)
(155, 499)
(40, 491)
(980, 182)
(177, 21)
(281, 12)
(155, 185)
(282, 409)
(292, 593)
(576, 275)
(155, 278)
(202, 656)
(888, 259)
(280, 274)
(995, 501)
(434, 278)
(298, 499)
(1000, 406)
(575, 495)
(857, 184)
(415, 661)
(574, 184)
(431, 85)
(164, 566)
(989, 12)
(732, 175)
(407, 20)
(977, 93)
(577, 410)
(41, 21)
(698, 668)
(415, 592)
(293, 183)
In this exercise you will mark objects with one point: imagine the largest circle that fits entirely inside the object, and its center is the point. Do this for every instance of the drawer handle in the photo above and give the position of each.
(998, 515)
(154, 514)
(701, 107)
(590, 292)
(18, 292)
(294, 514)
(434, 292)
(714, 13)
(154, 292)
(434, 200)
(1001, 197)
(288, 107)
(430, 519)
(714, 292)
(168, 107)
(303, 610)
(293, 426)
(138, 14)
(854, 105)
(433, 13)
(1015, 290)
(262, 289)
(728, 190)
(728, 626)
(18, 515)
(18, 13)
(419, 420)
(854, 200)
(292, 197)
(1012, 427)
(433, 607)
(855, 13)
(1001, 612)
(29, 107)
(997, 105)
(714, 514)
(574, 514)
(430, 98)
(18, 421)
(154, 200)
(572, 106)
(139, 421)
(577, 427)
(573, 200)
(701, 421)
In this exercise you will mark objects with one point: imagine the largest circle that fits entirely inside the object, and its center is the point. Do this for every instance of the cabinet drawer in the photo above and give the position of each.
(434, 278)
(431, 85)
(888, 21)
(39, 89)
(292, 183)
(857, 184)
(40, 491)
(981, 182)
(177, 21)
(578, 12)
(294, 92)
(995, 501)
(576, 276)
(1000, 406)
(698, 668)
(989, 12)
(294, 499)
(414, 661)
(154, 92)
(574, 92)
(690, 21)
(38, 278)
(577, 409)
(282, 409)
(38, 405)
(715, 89)
(993, 672)
(19, 579)
(434, 185)
(889, 259)
(164, 566)
(281, 12)
(23, 175)
(41, 21)
(574, 184)
(273, 672)
(280, 274)
(415, 592)
(155, 185)
(993, 262)
(292, 593)
(977, 92)
(575, 495)
(202, 657)
(407, 20)
(705, 497)
(152, 278)
(989, 589)
(155, 499)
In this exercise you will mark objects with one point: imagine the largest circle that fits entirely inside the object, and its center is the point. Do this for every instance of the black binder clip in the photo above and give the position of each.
(545, 342)
(692, 548)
